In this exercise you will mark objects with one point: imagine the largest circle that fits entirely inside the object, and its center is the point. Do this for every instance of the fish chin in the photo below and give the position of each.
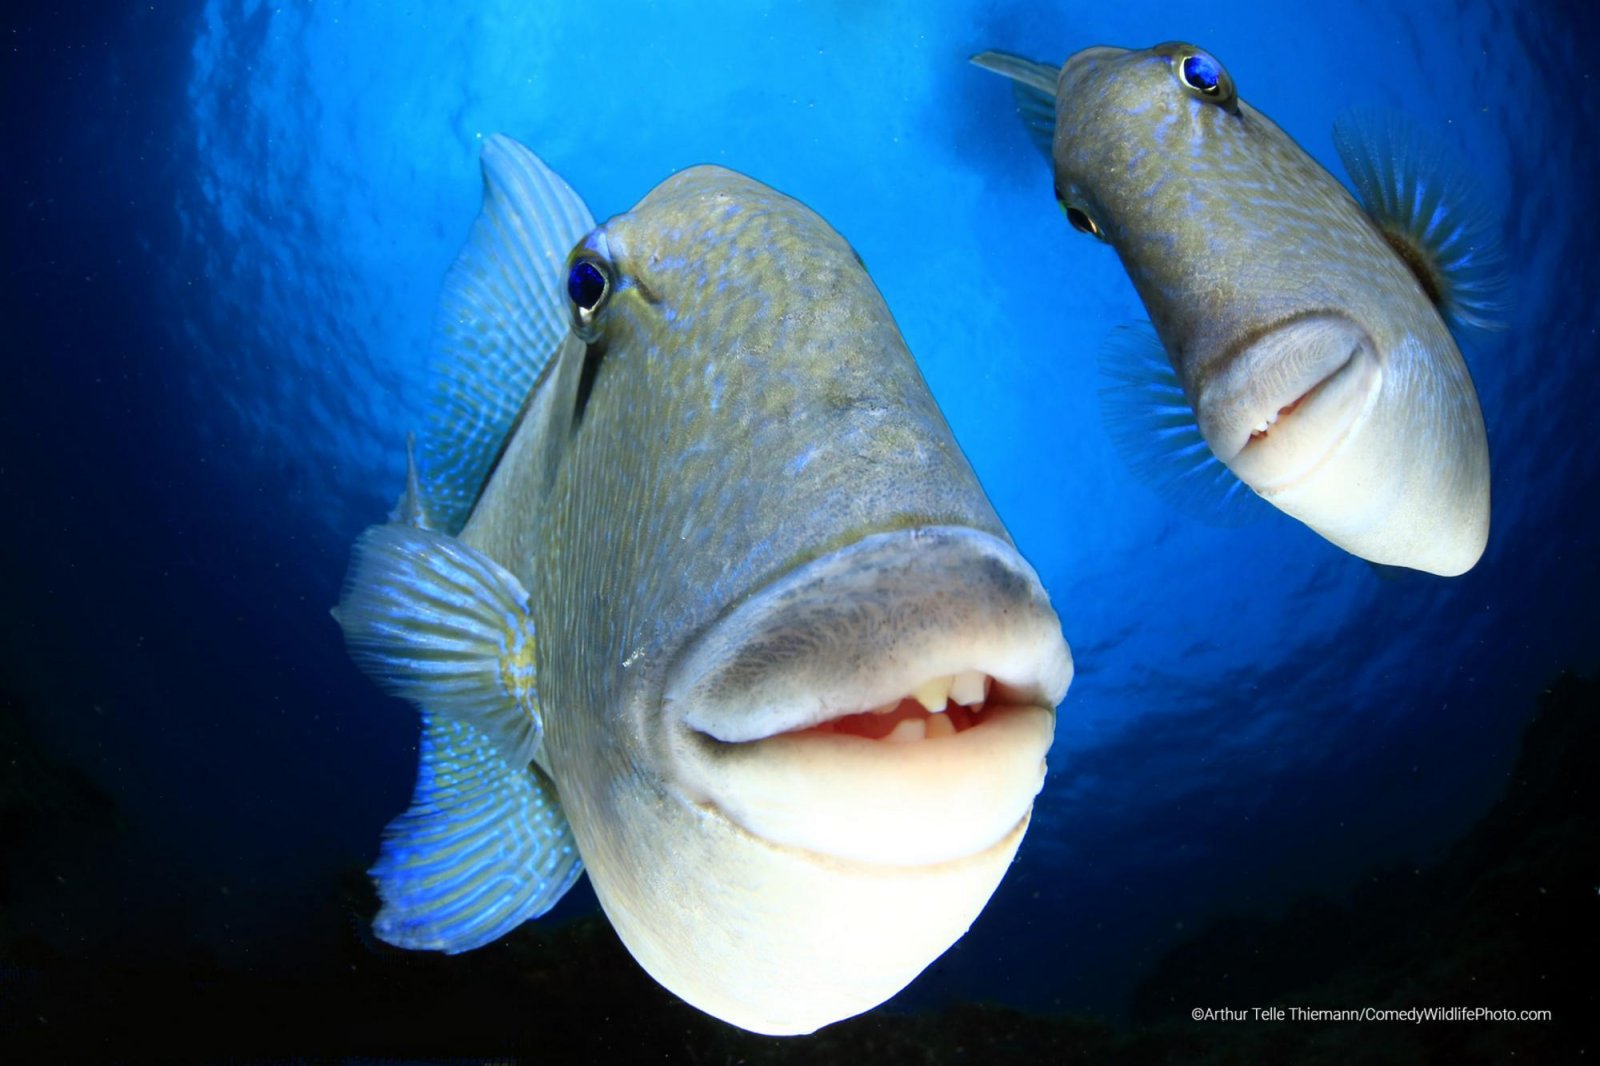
(1409, 484)
(1281, 411)
(824, 834)
(783, 942)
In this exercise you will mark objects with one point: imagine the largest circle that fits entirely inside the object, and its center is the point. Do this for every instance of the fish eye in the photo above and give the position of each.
(1082, 222)
(587, 284)
(1077, 218)
(1201, 73)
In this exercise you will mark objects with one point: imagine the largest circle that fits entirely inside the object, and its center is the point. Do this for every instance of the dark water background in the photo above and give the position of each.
(223, 230)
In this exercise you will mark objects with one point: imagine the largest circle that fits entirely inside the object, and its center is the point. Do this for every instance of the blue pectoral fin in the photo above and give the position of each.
(483, 848)
(1150, 421)
(442, 625)
(502, 317)
(484, 845)
(1033, 86)
(1429, 206)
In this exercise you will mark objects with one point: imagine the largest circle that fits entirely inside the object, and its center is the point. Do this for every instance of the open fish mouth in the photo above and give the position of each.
(940, 707)
(1290, 401)
(889, 704)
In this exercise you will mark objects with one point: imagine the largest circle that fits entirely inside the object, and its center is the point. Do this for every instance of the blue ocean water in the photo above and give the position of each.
(225, 229)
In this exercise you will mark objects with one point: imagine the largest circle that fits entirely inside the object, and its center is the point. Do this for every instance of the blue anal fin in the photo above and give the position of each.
(1033, 86)
(483, 848)
(1429, 207)
(1153, 427)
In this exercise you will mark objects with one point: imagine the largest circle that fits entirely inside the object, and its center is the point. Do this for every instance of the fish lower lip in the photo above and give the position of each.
(883, 802)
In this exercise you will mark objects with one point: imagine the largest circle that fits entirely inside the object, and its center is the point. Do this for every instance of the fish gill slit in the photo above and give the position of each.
(593, 355)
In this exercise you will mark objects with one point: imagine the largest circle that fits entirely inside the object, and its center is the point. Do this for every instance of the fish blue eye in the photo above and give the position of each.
(586, 284)
(1201, 73)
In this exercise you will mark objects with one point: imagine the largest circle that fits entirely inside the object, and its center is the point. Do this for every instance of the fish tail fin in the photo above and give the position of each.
(1429, 207)
(484, 845)
(1033, 86)
(1148, 417)
(502, 317)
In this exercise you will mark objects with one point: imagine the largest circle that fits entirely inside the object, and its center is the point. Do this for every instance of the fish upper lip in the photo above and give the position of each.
(776, 638)
(858, 628)
(1329, 373)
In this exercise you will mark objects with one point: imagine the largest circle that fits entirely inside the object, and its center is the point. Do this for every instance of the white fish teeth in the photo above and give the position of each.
(932, 694)
(884, 708)
(1270, 421)
(908, 731)
(969, 687)
(940, 725)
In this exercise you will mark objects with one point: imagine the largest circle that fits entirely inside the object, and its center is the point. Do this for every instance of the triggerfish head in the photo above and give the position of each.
(1306, 330)
(695, 589)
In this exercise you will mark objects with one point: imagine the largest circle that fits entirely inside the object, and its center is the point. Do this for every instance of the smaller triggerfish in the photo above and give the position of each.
(695, 590)
(1304, 327)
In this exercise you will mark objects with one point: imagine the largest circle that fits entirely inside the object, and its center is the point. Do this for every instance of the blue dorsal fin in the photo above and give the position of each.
(1033, 86)
(442, 625)
(1428, 205)
(502, 316)
(1150, 421)
(483, 847)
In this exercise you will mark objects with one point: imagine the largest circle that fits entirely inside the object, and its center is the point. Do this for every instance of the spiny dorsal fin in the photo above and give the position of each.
(1429, 207)
(408, 509)
(1033, 86)
(502, 316)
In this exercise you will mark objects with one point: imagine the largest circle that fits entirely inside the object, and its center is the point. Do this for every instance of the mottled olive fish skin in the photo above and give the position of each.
(745, 351)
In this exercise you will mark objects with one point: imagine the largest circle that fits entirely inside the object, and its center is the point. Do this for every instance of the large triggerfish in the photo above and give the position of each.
(1304, 327)
(695, 590)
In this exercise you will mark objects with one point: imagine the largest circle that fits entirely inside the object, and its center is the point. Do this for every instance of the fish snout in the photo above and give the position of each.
(890, 703)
